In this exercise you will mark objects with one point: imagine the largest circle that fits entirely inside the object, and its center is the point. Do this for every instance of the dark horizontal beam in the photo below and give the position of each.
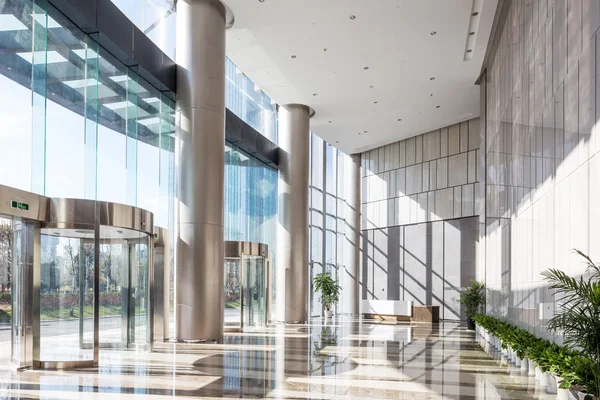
(242, 135)
(104, 22)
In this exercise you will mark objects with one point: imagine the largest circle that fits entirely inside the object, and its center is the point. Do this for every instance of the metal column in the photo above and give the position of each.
(200, 157)
(350, 277)
(292, 228)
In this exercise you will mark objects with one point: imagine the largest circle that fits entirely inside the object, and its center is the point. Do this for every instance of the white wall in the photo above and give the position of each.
(543, 179)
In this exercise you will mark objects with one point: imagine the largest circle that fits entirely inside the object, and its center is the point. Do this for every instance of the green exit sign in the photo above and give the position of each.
(20, 206)
(156, 236)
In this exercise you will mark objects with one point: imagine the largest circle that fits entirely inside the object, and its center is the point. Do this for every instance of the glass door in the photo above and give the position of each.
(233, 293)
(18, 340)
(138, 293)
(124, 288)
(67, 295)
(255, 291)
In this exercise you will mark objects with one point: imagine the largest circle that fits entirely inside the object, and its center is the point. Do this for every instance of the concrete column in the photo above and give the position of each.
(292, 228)
(350, 278)
(200, 161)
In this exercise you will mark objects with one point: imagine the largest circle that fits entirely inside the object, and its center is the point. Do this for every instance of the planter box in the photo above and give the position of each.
(532, 367)
(552, 386)
(525, 365)
(544, 378)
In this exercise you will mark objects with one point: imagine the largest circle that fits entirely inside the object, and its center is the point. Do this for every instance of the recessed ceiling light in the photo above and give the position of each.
(315, 94)
(432, 78)
(366, 67)
(371, 86)
(475, 14)
(399, 119)
(430, 94)
(325, 49)
(330, 121)
(262, 1)
(437, 106)
(359, 133)
(433, 33)
(471, 33)
(470, 50)
(337, 141)
(353, 17)
(375, 102)
(294, 56)
(366, 131)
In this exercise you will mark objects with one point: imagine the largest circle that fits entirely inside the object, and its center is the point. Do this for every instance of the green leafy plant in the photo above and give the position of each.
(578, 314)
(573, 366)
(473, 297)
(329, 288)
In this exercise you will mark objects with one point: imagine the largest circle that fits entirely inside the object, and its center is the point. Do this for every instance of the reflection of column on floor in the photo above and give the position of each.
(279, 357)
(82, 291)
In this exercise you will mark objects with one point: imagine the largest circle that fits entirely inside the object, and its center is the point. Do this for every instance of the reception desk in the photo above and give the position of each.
(387, 309)
(400, 311)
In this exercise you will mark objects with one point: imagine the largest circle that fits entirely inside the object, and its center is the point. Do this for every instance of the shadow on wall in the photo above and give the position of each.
(425, 263)
(541, 91)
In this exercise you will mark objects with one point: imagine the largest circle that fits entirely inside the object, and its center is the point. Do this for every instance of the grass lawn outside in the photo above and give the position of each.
(233, 304)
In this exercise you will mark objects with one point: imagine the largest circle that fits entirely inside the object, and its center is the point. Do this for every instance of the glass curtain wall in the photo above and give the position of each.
(246, 100)
(327, 214)
(250, 202)
(75, 122)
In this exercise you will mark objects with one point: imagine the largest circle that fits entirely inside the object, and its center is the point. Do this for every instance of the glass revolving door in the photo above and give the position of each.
(124, 288)
(94, 279)
(233, 293)
(246, 285)
(255, 291)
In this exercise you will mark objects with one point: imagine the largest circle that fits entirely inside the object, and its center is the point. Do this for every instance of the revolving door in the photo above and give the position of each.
(82, 279)
(247, 272)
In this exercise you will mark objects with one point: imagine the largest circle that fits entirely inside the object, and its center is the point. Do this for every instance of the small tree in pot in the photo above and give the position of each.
(472, 298)
(330, 291)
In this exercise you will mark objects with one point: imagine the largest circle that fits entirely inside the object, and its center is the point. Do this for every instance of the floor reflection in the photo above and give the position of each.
(339, 359)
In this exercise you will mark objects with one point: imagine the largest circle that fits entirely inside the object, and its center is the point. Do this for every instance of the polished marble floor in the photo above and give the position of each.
(347, 358)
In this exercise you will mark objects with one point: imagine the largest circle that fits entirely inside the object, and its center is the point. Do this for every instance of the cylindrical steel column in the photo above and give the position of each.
(292, 230)
(350, 279)
(200, 161)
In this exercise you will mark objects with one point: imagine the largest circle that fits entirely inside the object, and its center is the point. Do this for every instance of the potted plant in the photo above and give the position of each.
(330, 291)
(472, 298)
(578, 315)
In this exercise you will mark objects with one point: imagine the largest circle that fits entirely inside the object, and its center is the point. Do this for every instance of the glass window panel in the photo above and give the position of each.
(66, 88)
(16, 109)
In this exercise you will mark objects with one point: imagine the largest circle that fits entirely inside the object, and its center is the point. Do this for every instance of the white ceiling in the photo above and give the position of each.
(392, 37)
